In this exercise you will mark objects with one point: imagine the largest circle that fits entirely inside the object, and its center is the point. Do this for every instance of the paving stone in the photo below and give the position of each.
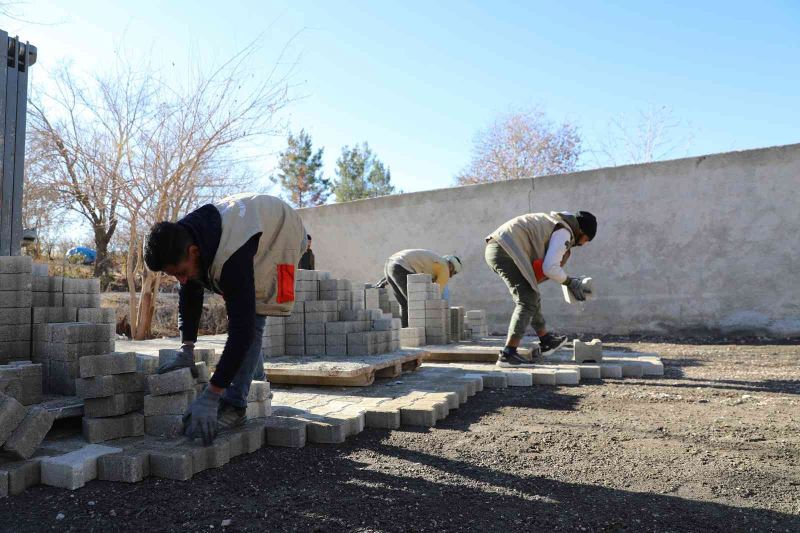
(103, 386)
(567, 377)
(377, 417)
(11, 386)
(253, 436)
(414, 415)
(164, 425)
(170, 383)
(172, 463)
(215, 455)
(519, 379)
(16, 298)
(12, 413)
(261, 409)
(3, 483)
(127, 466)
(587, 351)
(107, 364)
(16, 264)
(631, 369)
(610, 371)
(236, 442)
(19, 315)
(115, 427)
(30, 433)
(118, 404)
(74, 469)
(104, 315)
(543, 376)
(168, 404)
(285, 431)
(146, 364)
(15, 332)
(494, 380)
(590, 371)
(22, 475)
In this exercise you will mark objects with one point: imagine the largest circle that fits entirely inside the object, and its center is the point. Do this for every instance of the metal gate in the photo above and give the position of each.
(13, 106)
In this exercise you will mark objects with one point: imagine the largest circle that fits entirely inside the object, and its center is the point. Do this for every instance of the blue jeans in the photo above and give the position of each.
(252, 368)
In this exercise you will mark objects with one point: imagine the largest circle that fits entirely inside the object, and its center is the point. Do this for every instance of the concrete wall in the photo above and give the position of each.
(703, 245)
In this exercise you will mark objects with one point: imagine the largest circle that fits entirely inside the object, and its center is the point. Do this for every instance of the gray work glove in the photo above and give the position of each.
(184, 358)
(200, 421)
(575, 286)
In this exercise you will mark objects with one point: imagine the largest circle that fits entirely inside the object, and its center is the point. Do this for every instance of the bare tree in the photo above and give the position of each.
(522, 144)
(650, 134)
(82, 137)
(189, 153)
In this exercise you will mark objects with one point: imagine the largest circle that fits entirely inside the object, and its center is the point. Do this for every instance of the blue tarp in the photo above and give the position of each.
(88, 254)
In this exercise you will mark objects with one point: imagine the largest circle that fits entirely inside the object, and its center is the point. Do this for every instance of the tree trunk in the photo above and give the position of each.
(147, 306)
(102, 264)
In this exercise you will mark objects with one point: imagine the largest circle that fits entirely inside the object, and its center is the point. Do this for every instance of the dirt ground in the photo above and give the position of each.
(713, 446)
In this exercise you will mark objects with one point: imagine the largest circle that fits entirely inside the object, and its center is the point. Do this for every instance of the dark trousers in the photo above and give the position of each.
(397, 277)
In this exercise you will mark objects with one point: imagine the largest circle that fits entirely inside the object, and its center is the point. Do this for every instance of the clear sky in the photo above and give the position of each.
(418, 79)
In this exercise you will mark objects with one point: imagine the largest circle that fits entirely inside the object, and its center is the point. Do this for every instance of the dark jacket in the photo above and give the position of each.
(237, 288)
(307, 261)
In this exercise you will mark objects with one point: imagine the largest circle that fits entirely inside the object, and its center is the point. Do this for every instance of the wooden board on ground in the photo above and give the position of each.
(466, 352)
(346, 371)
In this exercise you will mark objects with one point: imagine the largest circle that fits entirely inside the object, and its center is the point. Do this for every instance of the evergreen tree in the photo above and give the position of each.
(361, 175)
(300, 173)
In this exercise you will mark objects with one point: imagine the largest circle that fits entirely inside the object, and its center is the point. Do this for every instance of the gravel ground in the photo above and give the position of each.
(713, 446)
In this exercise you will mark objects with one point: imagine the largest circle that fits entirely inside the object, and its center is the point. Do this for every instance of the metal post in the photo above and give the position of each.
(13, 108)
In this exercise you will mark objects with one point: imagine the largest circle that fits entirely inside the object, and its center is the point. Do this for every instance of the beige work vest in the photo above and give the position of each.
(282, 241)
(525, 238)
(419, 261)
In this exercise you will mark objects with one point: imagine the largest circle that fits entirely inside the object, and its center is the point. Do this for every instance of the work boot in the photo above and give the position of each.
(184, 358)
(549, 343)
(229, 416)
(509, 358)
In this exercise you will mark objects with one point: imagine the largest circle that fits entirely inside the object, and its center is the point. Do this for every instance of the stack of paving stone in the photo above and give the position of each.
(112, 393)
(412, 337)
(23, 381)
(457, 323)
(306, 284)
(475, 324)
(22, 429)
(81, 292)
(168, 397)
(60, 346)
(47, 291)
(274, 341)
(427, 309)
(15, 303)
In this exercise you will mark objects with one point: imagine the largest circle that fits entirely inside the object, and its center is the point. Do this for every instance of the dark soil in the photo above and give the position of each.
(714, 446)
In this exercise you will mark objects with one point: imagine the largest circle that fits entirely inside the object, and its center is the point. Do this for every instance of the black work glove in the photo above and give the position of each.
(200, 421)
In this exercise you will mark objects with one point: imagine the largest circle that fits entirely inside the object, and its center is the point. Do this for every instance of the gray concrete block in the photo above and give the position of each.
(114, 427)
(42, 315)
(336, 349)
(314, 328)
(215, 455)
(15, 316)
(12, 413)
(127, 466)
(16, 264)
(30, 433)
(19, 332)
(315, 340)
(168, 404)
(22, 475)
(259, 391)
(15, 299)
(413, 415)
(47, 284)
(118, 404)
(107, 364)
(146, 364)
(103, 315)
(74, 469)
(285, 431)
(16, 282)
(253, 436)
(47, 299)
(172, 463)
(203, 373)
(209, 356)
(61, 377)
(260, 409)
(587, 351)
(164, 425)
(377, 417)
(171, 382)
(39, 269)
(11, 387)
(104, 386)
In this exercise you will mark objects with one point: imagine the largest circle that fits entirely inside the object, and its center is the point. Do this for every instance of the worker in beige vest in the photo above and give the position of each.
(405, 262)
(526, 251)
(245, 248)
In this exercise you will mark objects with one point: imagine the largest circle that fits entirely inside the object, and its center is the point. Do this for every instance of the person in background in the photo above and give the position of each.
(307, 261)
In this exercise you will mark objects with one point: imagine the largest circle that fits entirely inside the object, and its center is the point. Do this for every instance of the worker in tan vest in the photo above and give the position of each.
(526, 251)
(245, 248)
(405, 262)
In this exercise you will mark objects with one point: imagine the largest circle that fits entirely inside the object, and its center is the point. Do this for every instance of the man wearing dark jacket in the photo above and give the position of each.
(244, 248)
(307, 261)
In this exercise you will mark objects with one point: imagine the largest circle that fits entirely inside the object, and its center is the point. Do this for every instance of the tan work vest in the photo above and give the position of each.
(282, 242)
(525, 238)
(419, 261)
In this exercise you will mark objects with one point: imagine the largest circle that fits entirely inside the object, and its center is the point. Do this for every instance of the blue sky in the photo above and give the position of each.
(418, 79)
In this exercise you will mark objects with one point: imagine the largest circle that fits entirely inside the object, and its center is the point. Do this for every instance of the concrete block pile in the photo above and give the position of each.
(167, 399)
(22, 429)
(457, 315)
(113, 393)
(59, 347)
(22, 380)
(47, 291)
(259, 400)
(412, 337)
(81, 292)
(330, 317)
(475, 324)
(427, 309)
(15, 303)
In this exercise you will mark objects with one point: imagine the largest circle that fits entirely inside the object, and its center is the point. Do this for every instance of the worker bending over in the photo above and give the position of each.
(405, 262)
(244, 248)
(526, 251)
